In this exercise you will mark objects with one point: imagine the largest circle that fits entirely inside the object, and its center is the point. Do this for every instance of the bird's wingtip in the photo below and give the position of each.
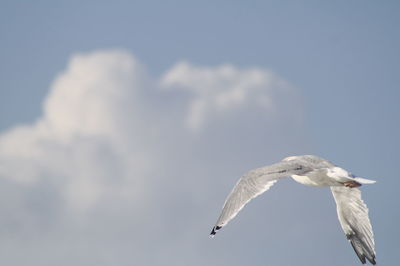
(373, 261)
(215, 230)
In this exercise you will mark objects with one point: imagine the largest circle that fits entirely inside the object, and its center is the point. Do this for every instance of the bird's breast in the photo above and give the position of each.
(316, 178)
(305, 180)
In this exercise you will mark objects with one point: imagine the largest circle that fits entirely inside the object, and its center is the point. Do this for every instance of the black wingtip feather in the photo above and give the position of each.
(372, 261)
(362, 254)
(215, 230)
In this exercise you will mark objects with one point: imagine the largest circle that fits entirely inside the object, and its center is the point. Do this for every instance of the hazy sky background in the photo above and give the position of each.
(125, 124)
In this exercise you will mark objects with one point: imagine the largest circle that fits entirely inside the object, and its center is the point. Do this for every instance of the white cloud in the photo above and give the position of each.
(223, 89)
(90, 95)
(111, 158)
(88, 119)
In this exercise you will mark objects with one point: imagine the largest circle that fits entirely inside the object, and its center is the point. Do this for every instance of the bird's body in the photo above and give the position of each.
(313, 171)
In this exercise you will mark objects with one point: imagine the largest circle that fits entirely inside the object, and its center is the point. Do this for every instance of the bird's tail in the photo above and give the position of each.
(364, 181)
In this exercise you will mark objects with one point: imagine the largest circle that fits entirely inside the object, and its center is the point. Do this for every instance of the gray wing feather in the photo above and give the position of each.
(252, 184)
(353, 217)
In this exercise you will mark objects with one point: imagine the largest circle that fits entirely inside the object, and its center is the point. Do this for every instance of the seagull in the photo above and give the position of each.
(313, 171)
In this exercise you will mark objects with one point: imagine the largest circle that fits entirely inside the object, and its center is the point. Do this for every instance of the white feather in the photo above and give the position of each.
(364, 181)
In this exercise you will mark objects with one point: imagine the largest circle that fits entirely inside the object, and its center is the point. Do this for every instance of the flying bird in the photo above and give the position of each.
(313, 171)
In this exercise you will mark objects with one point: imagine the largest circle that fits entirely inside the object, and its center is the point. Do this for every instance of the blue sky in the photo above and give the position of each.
(130, 113)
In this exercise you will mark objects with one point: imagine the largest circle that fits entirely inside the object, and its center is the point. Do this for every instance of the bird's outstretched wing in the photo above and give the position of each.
(254, 183)
(353, 217)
